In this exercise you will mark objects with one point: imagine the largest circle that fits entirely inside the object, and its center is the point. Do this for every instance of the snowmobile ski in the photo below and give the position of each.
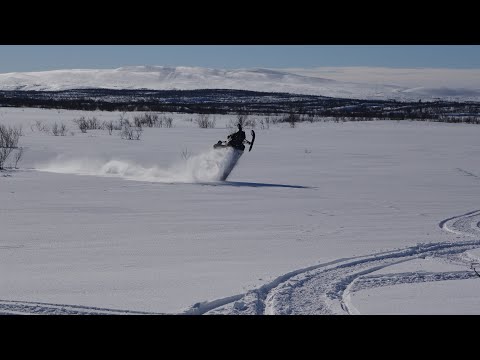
(253, 140)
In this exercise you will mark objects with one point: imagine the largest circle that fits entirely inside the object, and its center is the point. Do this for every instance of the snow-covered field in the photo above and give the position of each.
(325, 218)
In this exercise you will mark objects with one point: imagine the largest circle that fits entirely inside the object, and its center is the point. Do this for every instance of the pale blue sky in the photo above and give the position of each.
(15, 58)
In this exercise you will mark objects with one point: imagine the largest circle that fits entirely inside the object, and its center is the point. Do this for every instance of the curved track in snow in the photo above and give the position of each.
(326, 288)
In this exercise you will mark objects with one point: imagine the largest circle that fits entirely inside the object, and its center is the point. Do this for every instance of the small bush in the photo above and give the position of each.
(130, 133)
(59, 130)
(168, 121)
(109, 126)
(292, 119)
(246, 121)
(243, 120)
(93, 124)
(82, 124)
(204, 122)
(152, 120)
(186, 154)
(265, 123)
(137, 121)
(40, 127)
(18, 156)
(88, 124)
(9, 137)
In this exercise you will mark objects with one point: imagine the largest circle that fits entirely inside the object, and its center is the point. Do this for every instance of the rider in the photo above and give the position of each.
(237, 139)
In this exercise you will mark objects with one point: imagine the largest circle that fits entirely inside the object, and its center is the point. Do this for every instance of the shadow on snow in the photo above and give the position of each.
(252, 184)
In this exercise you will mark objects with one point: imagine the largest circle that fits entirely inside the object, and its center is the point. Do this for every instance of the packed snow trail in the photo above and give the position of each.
(327, 288)
(212, 165)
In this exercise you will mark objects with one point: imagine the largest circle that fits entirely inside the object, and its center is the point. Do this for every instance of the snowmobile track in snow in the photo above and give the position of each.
(8, 307)
(468, 173)
(327, 288)
(318, 289)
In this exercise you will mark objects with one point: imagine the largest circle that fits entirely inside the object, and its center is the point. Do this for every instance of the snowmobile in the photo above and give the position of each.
(240, 147)
(233, 155)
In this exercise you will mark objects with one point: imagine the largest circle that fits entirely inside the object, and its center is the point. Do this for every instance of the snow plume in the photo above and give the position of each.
(213, 165)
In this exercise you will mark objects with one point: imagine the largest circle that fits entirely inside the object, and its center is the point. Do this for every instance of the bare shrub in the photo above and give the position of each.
(59, 130)
(265, 123)
(93, 124)
(124, 120)
(137, 120)
(55, 129)
(186, 154)
(152, 119)
(246, 121)
(109, 126)
(292, 119)
(130, 133)
(127, 132)
(18, 156)
(243, 120)
(40, 127)
(204, 122)
(63, 129)
(8, 142)
(149, 120)
(4, 153)
(168, 121)
(163, 121)
(88, 124)
(275, 120)
(117, 125)
(9, 136)
(19, 130)
(137, 134)
(82, 124)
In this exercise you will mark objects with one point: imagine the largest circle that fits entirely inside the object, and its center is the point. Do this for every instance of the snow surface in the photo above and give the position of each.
(325, 218)
(349, 82)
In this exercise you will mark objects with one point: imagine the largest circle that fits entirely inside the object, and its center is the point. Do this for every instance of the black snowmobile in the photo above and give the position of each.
(236, 141)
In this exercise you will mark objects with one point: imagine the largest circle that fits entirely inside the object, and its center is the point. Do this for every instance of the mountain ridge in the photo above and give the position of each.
(156, 77)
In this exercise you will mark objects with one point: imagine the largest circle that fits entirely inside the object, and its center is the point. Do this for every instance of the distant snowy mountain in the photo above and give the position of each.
(189, 78)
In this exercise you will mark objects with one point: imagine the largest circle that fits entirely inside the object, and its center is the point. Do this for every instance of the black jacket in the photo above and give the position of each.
(237, 139)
